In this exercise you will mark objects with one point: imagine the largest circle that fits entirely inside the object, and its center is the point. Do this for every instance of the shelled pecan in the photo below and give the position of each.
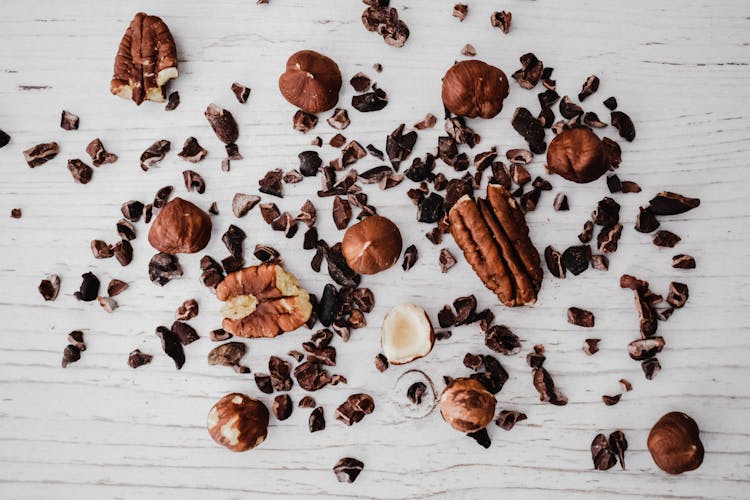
(494, 238)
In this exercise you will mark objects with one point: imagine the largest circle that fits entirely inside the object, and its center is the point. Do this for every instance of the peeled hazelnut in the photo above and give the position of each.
(372, 245)
(238, 422)
(406, 334)
(578, 155)
(180, 227)
(263, 301)
(311, 81)
(675, 444)
(474, 88)
(467, 405)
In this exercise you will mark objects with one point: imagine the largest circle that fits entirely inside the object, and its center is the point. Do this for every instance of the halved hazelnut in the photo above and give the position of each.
(467, 405)
(406, 334)
(372, 245)
(238, 422)
(180, 227)
(474, 88)
(675, 443)
(578, 155)
(311, 81)
(263, 301)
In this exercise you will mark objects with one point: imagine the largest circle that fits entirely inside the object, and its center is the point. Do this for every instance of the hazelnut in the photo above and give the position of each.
(372, 245)
(180, 227)
(311, 81)
(238, 422)
(675, 444)
(467, 405)
(406, 334)
(474, 88)
(578, 155)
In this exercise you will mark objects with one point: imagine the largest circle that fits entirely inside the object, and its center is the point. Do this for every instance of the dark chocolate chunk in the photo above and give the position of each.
(89, 289)
(241, 92)
(446, 318)
(220, 335)
(548, 98)
(16, 213)
(280, 371)
(666, 203)
(163, 268)
(607, 212)
(342, 212)
(132, 210)
(355, 408)
(592, 120)
(465, 308)
(49, 287)
(171, 345)
(580, 317)
(317, 421)
(494, 376)
(664, 238)
(507, 419)
(347, 469)
(623, 124)
(263, 382)
(4, 139)
(608, 238)
(431, 208)
(233, 239)
(613, 183)
(568, 109)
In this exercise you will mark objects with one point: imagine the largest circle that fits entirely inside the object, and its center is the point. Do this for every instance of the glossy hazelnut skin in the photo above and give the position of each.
(372, 245)
(578, 155)
(675, 444)
(474, 89)
(238, 422)
(467, 405)
(180, 227)
(311, 81)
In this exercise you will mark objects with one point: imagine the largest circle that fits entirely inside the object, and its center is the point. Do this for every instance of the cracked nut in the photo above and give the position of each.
(675, 443)
(467, 405)
(474, 89)
(372, 245)
(146, 60)
(578, 155)
(180, 227)
(311, 81)
(406, 334)
(494, 237)
(263, 301)
(238, 422)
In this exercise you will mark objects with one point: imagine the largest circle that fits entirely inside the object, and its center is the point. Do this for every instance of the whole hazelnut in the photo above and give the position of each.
(578, 155)
(372, 245)
(467, 405)
(180, 227)
(238, 422)
(474, 88)
(311, 81)
(675, 444)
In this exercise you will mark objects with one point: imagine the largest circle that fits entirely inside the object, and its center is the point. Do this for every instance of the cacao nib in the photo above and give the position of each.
(682, 261)
(530, 129)
(507, 419)
(664, 238)
(171, 345)
(576, 259)
(623, 124)
(580, 317)
(667, 203)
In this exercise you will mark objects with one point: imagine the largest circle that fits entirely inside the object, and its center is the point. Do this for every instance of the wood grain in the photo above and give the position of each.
(102, 430)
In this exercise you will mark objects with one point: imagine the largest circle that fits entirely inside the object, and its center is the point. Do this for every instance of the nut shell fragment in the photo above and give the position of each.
(238, 422)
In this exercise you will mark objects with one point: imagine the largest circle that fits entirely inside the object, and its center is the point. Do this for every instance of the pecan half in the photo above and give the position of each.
(263, 301)
(146, 60)
(494, 238)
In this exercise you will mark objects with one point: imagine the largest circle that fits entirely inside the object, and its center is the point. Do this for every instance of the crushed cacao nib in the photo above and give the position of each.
(626, 386)
(187, 310)
(590, 86)
(192, 151)
(553, 258)
(429, 119)
(243, 203)
(678, 294)
(399, 146)
(440, 182)
(228, 354)
(41, 154)
(607, 212)
(461, 133)
(370, 101)
(519, 174)
(623, 124)
(307, 402)
(194, 180)
(446, 317)
(337, 141)
(304, 122)
(614, 153)
(619, 446)
(162, 196)
(587, 233)
(88, 290)
(465, 308)
(600, 262)
(163, 268)
(125, 229)
(646, 221)
(664, 238)
(481, 437)
(415, 392)
(123, 252)
(76, 338)
(99, 155)
(608, 238)
(347, 469)
(375, 152)
(384, 21)
(282, 406)
(484, 319)
(148, 212)
(610, 103)
(171, 345)
(339, 120)
(447, 149)
(443, 335)
(591, 346)
(682, 261)
(431, 208)
(69, 121)
(263, 382)
(317, 421)
(286, 223)
(446, 260)
(212, 274)
(411, 255)
(569, 110)
(342, 212)
(613, 183)
(381, 362)
(184, 332)
(4, 139)
(548, 98)
(530, 129)
(546, 117)
(630, 187)
(107, 303)
(307, 214)
(460, 10)
(580, 317)
(116, 287)
(355, 408)
(220, 335)
(375, 174)
(154, 154)
(71, 354)
(271, 183)
(310, 239)
(81, 172)
(603, 456)
(667, 203)
(16, 213)
(326, 309)
(241, 92)
(663, 313)
(233, 239)
(419, 169)
(561, 202)
(494, 376)
(137, 359)
(531, 70)
(576, 259)
(541, 184)
(501, 340)
(546, 387)
(650, 368)
(592, 120)
(502, 20)
(270, 212)
(455, 189)
(309, 163)
(364, 299)
(280, 371)
(611, 400)
(325, 355)
(233, 152)
(101, 249)
(645, 348)
(172, 101)
(360, 82)
(507, 419)
(338, 269)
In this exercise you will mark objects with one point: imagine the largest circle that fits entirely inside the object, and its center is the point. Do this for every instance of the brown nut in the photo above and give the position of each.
(263, 301)
(238, 422)
(474, 88)
(180, 227)
(578, 155)
(146, 60)
(372, 245)
(406, 334)
(311, 81)
(467, 405)
(675, 443)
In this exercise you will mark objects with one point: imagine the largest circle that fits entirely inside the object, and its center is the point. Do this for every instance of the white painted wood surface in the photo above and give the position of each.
(102, 430)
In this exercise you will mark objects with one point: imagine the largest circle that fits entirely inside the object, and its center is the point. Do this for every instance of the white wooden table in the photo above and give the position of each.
(100, 429)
